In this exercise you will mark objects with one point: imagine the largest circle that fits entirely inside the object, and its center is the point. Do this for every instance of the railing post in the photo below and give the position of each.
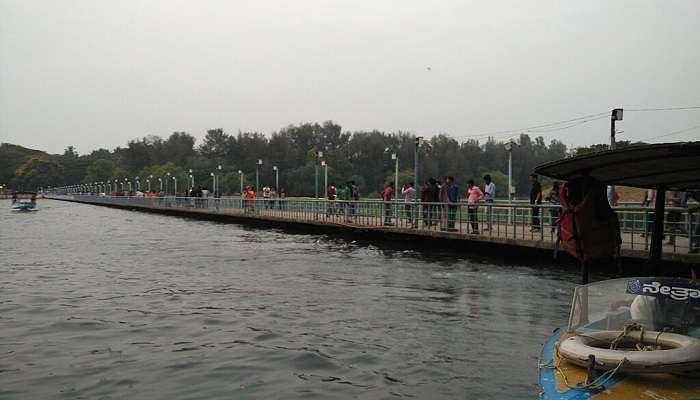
(646, 230)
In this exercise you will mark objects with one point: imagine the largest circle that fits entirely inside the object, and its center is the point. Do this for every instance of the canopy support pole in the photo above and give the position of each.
(652, 265)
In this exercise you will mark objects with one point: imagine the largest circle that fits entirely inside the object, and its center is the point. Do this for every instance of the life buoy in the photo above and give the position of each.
(588, 227)
(681, 353)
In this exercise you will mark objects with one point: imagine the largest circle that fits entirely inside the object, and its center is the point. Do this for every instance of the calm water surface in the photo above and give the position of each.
(99, 303)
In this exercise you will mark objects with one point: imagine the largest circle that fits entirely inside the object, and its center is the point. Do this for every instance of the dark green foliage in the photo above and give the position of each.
(361, 156)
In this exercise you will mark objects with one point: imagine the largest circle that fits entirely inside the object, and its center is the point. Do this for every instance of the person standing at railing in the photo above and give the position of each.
(281, 196)
(331, 195)
(474, 195)
(387, 195)
(266, 197)
(489, 197)
(354, 197)
(344, 194)
(535, 201)
(694, 215)
(673, 219)
(450, 196)
(554, 212)
(648, 201)
(428, 195)
(409, 192)
(250, 198)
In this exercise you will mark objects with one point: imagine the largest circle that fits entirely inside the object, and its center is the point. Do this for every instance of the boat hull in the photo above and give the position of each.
(619, 386)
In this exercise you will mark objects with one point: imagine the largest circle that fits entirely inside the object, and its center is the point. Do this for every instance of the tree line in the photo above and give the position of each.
(362, 156)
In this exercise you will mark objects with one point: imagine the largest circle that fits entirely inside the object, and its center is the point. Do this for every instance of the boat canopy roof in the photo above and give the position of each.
(675, 166)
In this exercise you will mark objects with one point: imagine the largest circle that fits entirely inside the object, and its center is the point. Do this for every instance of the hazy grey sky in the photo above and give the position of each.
(98, 73)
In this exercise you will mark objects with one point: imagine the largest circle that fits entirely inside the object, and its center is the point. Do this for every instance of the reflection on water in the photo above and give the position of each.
(105, 303)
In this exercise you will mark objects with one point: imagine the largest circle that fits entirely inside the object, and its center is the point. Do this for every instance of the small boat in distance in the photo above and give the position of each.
(23, 201)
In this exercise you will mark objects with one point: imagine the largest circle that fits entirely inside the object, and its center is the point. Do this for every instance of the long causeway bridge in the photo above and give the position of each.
(510, 223)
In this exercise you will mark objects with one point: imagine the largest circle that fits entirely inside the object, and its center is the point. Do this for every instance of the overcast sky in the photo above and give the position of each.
(98, 73)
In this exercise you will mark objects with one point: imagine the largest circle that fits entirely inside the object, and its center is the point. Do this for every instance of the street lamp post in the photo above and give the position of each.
(324, 164)
(395, 157)
(213, 183)
(160, 180)
(277, 179)
(138, 184)
(217, 189)
(257, 175)
(509, 147)
(174, 187)
(242, 177)
(616, 115)
(192, 180)
(419, 140)
(166, 182)
(319, 155)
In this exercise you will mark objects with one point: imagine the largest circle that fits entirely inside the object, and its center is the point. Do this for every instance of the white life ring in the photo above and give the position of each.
(681, 354)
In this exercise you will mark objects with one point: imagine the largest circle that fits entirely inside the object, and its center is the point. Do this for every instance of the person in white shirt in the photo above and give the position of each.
(266, 196)
(489, 197)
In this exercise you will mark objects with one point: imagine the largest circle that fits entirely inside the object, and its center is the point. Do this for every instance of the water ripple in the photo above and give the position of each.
(106, 303)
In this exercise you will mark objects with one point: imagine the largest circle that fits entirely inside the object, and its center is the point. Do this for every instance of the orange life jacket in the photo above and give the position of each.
(588, 227)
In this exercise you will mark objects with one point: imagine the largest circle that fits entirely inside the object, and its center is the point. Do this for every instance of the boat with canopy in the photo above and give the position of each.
(626, 338)
(23, 201)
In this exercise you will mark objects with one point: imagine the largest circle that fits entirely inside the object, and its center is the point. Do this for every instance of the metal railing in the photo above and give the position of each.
(516, 221)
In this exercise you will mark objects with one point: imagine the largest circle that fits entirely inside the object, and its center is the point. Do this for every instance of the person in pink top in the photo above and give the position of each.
(474, 195)
(409, 193)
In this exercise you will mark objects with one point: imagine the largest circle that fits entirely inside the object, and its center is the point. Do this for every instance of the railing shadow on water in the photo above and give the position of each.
(499, 220)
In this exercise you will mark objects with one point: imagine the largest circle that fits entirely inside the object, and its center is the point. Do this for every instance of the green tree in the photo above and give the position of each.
(39, 171)
(215, 144)
(100, 171)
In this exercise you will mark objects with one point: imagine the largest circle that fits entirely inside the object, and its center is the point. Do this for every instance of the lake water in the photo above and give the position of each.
(100, 303)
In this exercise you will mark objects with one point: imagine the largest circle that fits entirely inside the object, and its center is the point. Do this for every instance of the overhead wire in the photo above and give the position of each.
(664, 109)
(530, 128)
(573, 122)
(674, 132)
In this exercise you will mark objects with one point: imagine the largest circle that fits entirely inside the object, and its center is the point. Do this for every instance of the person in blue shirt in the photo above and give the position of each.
(449, 195)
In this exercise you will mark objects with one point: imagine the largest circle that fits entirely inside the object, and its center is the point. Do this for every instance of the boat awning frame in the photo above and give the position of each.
(674, 166)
